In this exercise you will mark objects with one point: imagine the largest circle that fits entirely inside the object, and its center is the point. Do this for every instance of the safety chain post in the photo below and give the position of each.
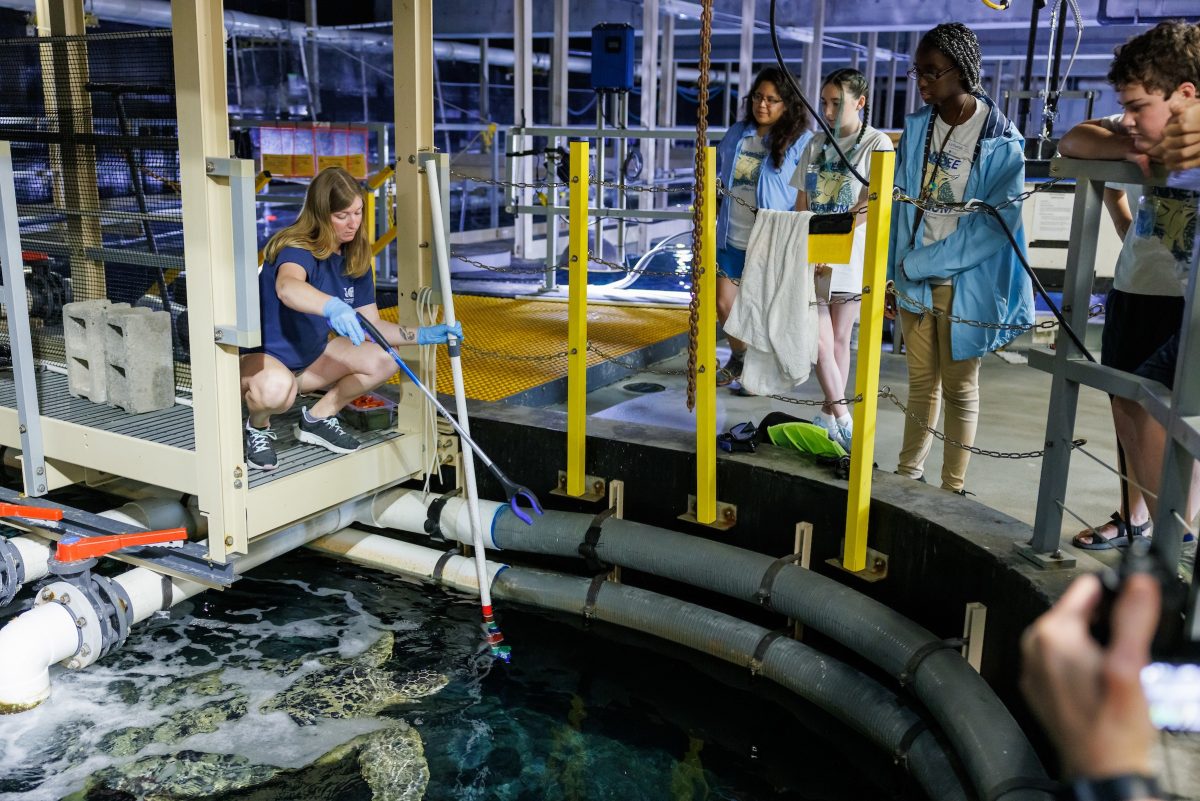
(577, 342)
(866, 380)
(705, 376)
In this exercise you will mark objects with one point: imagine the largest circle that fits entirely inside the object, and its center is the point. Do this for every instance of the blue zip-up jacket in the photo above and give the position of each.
(774, 185)
(989, 283)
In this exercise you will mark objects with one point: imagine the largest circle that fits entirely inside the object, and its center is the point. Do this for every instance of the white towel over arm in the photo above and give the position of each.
(773, 313)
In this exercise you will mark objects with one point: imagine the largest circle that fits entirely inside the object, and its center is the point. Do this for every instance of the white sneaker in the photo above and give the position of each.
(845, 426)
(832, 430)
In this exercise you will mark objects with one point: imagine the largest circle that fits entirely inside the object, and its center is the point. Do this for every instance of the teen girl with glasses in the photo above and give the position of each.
(958, 147)
(755, 162)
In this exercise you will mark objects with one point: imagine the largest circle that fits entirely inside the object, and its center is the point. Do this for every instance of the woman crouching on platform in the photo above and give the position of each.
(317, 276)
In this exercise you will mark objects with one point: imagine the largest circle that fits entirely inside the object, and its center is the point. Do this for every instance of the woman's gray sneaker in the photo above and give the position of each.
(326, 432)
(260, 453)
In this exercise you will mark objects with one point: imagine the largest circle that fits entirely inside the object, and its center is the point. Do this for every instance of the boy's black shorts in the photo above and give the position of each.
(1135, 326)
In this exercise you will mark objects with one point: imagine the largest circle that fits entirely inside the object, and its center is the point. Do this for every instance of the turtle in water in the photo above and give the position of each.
(391, 760)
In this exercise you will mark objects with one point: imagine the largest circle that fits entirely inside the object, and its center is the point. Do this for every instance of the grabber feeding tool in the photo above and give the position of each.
(514, 491)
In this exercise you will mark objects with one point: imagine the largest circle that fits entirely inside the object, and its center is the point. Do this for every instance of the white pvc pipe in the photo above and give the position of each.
(47, 634)
(441, 254)
(35, 555)
(29, 645)
(405, 558)
(407, 510)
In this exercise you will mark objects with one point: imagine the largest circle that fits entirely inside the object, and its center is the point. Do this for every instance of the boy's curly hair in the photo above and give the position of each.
(1160, 59)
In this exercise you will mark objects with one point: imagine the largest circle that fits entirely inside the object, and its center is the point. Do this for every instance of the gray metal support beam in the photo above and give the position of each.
(893, 69)
(314, 58)
(872, 61)
(1064, 392)
(911, 97)
(1178, 462)
(816, 51)
(12, 295)
(522, 115)
(559, 56)
(649, 109)
(746, 47)
(667, 105)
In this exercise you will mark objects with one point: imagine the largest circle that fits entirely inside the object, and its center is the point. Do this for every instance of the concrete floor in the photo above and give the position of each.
(1013, 418)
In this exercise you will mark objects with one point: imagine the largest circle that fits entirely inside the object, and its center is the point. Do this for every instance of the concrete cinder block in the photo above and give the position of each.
(84, 336)
(140, 373)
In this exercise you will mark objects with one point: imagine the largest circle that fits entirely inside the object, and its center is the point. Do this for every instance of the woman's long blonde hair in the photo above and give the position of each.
(333, 190)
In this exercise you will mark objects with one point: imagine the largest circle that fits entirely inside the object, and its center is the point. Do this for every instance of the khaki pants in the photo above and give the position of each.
(931, 372)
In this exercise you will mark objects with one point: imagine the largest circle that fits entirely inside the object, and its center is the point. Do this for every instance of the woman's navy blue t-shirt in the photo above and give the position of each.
(295, 338)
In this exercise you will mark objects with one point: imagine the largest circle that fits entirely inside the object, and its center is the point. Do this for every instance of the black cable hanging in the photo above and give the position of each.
(787, 73)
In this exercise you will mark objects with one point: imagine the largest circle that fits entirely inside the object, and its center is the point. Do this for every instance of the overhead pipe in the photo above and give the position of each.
(157, 14)
(992, 745)
(52, 633)
(866, 706)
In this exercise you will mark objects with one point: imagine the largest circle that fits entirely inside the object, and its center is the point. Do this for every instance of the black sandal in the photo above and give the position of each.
(1124, 536)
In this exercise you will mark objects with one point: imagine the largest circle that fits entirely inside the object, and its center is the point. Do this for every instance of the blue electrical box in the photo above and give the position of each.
(612, 57)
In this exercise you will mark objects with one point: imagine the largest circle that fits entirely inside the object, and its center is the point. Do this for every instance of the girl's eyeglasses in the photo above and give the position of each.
(930, 77)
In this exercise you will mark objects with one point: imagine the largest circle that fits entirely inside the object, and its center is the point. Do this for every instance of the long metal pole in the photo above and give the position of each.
(601, 113)
(442, 259)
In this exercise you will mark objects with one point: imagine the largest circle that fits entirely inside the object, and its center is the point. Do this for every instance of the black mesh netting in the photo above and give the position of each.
(93, 128)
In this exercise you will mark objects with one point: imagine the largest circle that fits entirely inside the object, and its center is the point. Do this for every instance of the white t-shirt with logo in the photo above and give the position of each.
(744, 185)
(1147, 262)
(948, 168)
(833, 189)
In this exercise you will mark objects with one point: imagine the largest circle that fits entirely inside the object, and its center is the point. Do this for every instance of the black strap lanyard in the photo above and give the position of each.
(924, 195)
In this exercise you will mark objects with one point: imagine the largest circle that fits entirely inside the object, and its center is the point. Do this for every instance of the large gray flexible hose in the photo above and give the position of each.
(869, 708)
(995, 752)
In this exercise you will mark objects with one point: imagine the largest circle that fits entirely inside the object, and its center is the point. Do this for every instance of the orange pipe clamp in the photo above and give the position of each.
(31, 512)
(79, 548)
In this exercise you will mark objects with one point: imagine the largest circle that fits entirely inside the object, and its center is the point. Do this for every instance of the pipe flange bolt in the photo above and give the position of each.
(87, 623)
(12, 571)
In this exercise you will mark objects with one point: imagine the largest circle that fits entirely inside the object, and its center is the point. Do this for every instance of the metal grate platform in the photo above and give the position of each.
(514, 348)
(173, 427)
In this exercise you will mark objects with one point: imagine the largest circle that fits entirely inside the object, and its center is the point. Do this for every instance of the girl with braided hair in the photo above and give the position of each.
(959, 284)
(755, 162)
(826, 186)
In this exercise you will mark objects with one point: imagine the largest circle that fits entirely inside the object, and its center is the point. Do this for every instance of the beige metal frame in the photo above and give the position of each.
(215, 472)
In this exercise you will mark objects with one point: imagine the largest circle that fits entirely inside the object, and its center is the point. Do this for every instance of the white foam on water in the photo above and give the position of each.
(61, 736)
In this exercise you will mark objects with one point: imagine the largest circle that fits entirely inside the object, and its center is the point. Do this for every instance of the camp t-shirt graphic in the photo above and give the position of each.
(835, 192)
(744, 186)
(1175, 221)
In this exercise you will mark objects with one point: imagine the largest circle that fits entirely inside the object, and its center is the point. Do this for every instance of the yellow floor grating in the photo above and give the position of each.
(530, 329)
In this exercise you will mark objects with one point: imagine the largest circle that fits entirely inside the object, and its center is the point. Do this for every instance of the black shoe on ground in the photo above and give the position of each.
(326, 432)
(259, 452)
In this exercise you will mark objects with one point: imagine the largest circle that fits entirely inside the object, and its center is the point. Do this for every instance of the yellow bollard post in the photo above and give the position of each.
(577, 321)
(706, 350)
(866, 377)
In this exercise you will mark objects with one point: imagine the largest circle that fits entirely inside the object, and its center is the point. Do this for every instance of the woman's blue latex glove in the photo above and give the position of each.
(343, 320)
(438, 334)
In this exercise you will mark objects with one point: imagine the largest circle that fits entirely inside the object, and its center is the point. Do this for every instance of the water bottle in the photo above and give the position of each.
(810, 179)
(1143, 222)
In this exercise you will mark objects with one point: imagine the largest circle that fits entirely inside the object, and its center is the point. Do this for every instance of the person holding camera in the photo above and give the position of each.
(1088, 696)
